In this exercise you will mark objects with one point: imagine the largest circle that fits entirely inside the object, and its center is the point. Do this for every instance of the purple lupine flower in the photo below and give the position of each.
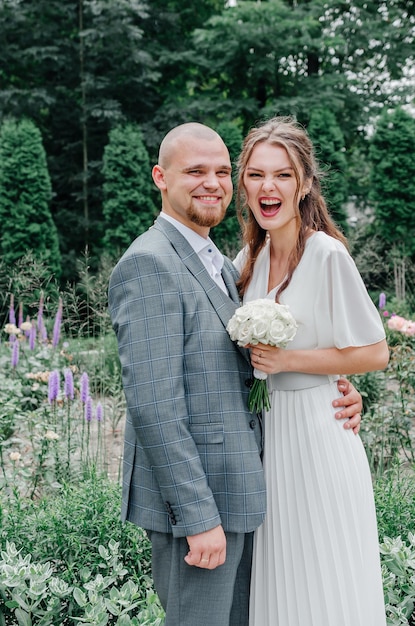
(84, 387)
(88, 409)
(68, 385)
(40, 313)
(57, 325)
(43, 332)
(12, 318)
(12, 315)
(99, 412)
(53, 386)
(15, 354)
(40, 322)
(382, 300)
(32, 336)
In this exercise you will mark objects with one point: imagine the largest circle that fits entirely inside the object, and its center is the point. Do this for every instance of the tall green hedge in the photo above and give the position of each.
(330, 150)
(392, 156)
(25, 195)
(128, 206)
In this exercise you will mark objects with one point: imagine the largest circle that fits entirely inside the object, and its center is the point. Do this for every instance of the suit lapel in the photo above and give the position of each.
(223, 305)
(229, 279)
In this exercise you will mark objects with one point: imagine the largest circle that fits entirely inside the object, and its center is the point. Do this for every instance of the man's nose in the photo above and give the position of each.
(211, 181)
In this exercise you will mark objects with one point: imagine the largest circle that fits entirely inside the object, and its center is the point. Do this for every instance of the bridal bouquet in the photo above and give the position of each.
(261, 321)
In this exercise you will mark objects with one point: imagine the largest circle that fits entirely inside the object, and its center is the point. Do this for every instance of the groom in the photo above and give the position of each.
(192, 474)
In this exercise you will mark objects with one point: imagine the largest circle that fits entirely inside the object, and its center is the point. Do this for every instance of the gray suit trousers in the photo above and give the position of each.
(192, 596)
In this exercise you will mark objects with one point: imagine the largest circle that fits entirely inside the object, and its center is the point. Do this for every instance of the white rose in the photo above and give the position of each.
(277, 332)
(260, 329)
(244, 335)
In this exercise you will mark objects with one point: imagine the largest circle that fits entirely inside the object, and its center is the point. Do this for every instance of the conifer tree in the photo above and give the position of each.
(128, 190)
(329, 146)
(25, 195)
(227, 234)
(392, 156)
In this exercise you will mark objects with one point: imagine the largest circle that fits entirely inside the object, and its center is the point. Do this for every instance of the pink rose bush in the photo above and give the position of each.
(396, 322)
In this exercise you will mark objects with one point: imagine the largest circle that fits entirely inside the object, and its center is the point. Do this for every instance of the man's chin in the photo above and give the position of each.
(207, 221)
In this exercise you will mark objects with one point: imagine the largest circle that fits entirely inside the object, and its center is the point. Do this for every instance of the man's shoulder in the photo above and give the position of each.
(151, 241)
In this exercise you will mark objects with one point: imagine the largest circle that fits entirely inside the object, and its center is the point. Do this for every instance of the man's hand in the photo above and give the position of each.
(207, 550)
(352, 404)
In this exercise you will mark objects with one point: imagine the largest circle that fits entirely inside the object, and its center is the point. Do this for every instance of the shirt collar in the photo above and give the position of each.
(198, 243)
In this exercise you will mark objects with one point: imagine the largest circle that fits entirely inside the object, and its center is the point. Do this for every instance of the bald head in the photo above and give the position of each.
(174, 138)
(194, 176)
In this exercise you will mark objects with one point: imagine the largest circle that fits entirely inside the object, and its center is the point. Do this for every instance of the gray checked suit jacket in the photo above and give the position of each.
(192, 449)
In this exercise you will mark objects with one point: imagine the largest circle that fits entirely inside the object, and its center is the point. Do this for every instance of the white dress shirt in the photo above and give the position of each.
(206, 250)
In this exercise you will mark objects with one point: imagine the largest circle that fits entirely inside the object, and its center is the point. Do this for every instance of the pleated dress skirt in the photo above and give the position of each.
(316, 556)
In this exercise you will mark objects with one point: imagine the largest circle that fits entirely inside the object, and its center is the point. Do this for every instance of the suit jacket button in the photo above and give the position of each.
(252, 424)
(249, 382)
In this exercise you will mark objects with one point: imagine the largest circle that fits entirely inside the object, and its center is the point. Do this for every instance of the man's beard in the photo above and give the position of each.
(206, 219)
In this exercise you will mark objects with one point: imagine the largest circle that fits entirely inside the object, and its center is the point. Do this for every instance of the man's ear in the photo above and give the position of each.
(158, 177)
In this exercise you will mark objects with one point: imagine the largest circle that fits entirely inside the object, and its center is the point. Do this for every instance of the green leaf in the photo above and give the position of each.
(23, 618)
(80, 597)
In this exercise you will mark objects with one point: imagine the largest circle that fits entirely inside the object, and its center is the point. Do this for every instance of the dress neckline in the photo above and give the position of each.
(274, 290)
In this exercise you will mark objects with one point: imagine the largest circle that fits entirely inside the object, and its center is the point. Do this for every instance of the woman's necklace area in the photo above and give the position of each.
(277, 272)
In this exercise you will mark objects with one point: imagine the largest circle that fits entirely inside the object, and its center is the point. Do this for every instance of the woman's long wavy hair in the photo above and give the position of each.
(287, 133)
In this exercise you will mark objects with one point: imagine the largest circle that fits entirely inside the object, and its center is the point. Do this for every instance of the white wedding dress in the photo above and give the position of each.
(316, 556)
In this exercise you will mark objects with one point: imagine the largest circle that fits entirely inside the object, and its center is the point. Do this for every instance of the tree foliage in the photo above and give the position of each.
(76, 69)
(25, 194)
(392, 154)
(329, 145)
(79, 69)
(128, 205)
(227, 234)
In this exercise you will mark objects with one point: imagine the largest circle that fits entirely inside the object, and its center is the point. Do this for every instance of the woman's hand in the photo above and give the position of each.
(352, 404)
(268, 359)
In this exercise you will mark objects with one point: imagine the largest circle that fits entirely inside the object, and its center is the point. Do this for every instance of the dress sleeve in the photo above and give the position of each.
(352, 318)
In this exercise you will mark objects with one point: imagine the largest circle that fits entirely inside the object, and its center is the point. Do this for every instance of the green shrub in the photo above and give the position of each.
(76, 543)
(128, 205)
(392, 190)
(398, 572)
(388, 409)
(395, 501)
(25, 195)
(395, 508)
(33, 595)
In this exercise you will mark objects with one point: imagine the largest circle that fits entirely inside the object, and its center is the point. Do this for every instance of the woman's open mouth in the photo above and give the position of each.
(269, 206)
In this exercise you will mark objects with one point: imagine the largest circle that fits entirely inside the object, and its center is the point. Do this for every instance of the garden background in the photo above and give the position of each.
(87, 90)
